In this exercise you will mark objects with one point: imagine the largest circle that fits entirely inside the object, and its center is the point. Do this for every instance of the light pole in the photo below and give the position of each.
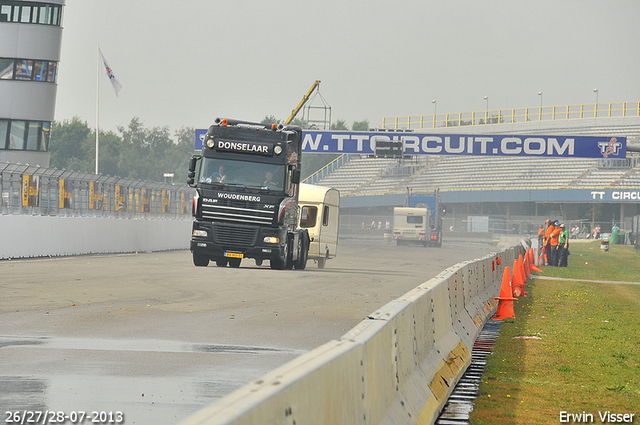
(434, 112)
(540, 115)
(595, 108)
(596, 92)
(486, 111)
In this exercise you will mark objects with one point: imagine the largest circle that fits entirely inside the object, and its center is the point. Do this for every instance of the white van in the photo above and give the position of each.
(319, 213)
(411, 225)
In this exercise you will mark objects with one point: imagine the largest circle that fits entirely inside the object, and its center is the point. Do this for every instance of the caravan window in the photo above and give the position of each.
(308, 217)
(414, 219)
(325, 216)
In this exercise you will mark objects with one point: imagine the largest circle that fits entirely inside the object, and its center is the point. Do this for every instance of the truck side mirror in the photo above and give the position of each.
(193, 162)
(295, 178)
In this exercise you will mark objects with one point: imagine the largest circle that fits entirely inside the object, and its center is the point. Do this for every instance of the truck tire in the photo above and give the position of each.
(280, 263)
(200, 260)
(235, 262)
(303, 253)
(221, 262)
(258, 262)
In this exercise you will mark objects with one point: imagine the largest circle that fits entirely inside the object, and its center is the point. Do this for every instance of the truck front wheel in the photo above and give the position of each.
(280, 263)
(200, 260)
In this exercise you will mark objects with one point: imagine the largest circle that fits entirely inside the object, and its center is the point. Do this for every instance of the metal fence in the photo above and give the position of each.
(33, 190)
(635, 232)
(515, 115)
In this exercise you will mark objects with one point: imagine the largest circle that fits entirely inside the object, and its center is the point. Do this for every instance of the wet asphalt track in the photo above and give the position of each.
(155, 338)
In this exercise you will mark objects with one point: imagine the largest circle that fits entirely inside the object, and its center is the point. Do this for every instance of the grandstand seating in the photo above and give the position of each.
(375, 175)
(631, 180)
(362, 175)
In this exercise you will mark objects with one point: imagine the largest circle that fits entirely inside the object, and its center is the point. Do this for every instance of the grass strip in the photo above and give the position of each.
(573, 347)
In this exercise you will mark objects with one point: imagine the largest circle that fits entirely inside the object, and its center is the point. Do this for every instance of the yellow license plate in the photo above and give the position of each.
(234, 254)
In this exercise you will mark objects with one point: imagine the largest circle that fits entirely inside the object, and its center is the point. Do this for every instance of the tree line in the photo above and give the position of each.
(142, 153)
(135, 152)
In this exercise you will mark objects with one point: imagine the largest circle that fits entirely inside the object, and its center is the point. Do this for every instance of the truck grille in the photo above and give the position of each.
(238, 212)
(229, 234)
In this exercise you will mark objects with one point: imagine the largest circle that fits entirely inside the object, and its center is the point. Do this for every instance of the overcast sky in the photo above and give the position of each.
(184, 63)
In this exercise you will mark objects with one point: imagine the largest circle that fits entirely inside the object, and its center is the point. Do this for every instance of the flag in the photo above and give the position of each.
(114, 82)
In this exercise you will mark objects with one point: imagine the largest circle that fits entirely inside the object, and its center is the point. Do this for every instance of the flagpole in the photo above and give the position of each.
(97, 108)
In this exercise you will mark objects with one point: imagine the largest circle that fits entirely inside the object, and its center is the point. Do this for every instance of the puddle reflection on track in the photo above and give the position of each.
(165, 395)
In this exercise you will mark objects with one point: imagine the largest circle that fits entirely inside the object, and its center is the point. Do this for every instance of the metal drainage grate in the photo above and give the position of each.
(460, 402)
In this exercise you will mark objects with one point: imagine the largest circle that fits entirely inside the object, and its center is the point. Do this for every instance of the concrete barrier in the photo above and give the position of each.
(23, 236)
(398, 366)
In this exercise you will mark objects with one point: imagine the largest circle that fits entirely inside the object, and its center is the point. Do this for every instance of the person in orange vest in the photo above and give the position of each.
(547, 243)
(540, 236)
(553, 240)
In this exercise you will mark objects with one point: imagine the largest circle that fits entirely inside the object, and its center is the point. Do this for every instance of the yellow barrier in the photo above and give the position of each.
(516, 115)
(398, 366)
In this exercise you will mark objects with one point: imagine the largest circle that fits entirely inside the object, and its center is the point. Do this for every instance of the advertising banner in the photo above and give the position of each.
(183, 203)
(66, 190)
(412, 143)
(452, 144)
(121, 198)
(30, 191)
(95, 196)
(144, 198)
(166, 201)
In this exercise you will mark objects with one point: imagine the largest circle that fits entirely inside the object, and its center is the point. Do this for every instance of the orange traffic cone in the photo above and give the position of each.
(534, 268)
(505, 305)
(525, 265)
(518, 281)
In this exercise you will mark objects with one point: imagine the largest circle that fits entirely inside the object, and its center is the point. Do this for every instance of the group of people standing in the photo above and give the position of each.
(555, 240)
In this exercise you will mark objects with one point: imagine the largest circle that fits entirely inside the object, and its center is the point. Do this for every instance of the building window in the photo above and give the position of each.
(4, 133)
(45, 136)
(24, 69)
(33, 132)
(25, 15)
(6, 69)
(51, 73)
(28, 70)
(25, 135)
(16, 135)
(5, 13)
(30, 13)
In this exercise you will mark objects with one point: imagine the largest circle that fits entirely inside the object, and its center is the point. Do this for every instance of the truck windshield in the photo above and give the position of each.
(249, 174)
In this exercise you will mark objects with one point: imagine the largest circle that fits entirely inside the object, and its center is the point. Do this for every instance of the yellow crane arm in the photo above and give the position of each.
(304, 100)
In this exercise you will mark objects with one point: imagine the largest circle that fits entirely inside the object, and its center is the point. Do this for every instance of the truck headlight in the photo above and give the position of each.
(271, 239)
(200, 233)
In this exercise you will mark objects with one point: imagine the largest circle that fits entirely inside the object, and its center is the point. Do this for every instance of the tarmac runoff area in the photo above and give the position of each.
(156, 338)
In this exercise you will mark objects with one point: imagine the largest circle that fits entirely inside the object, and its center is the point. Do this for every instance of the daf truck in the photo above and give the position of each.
(247, 181)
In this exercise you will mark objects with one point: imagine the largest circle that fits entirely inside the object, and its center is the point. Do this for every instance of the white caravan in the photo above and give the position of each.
(411, 225)
(319, 213)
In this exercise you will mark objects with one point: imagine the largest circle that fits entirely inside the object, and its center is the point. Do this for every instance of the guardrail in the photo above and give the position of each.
(515, 115)
(398, 366)
(34, 190)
